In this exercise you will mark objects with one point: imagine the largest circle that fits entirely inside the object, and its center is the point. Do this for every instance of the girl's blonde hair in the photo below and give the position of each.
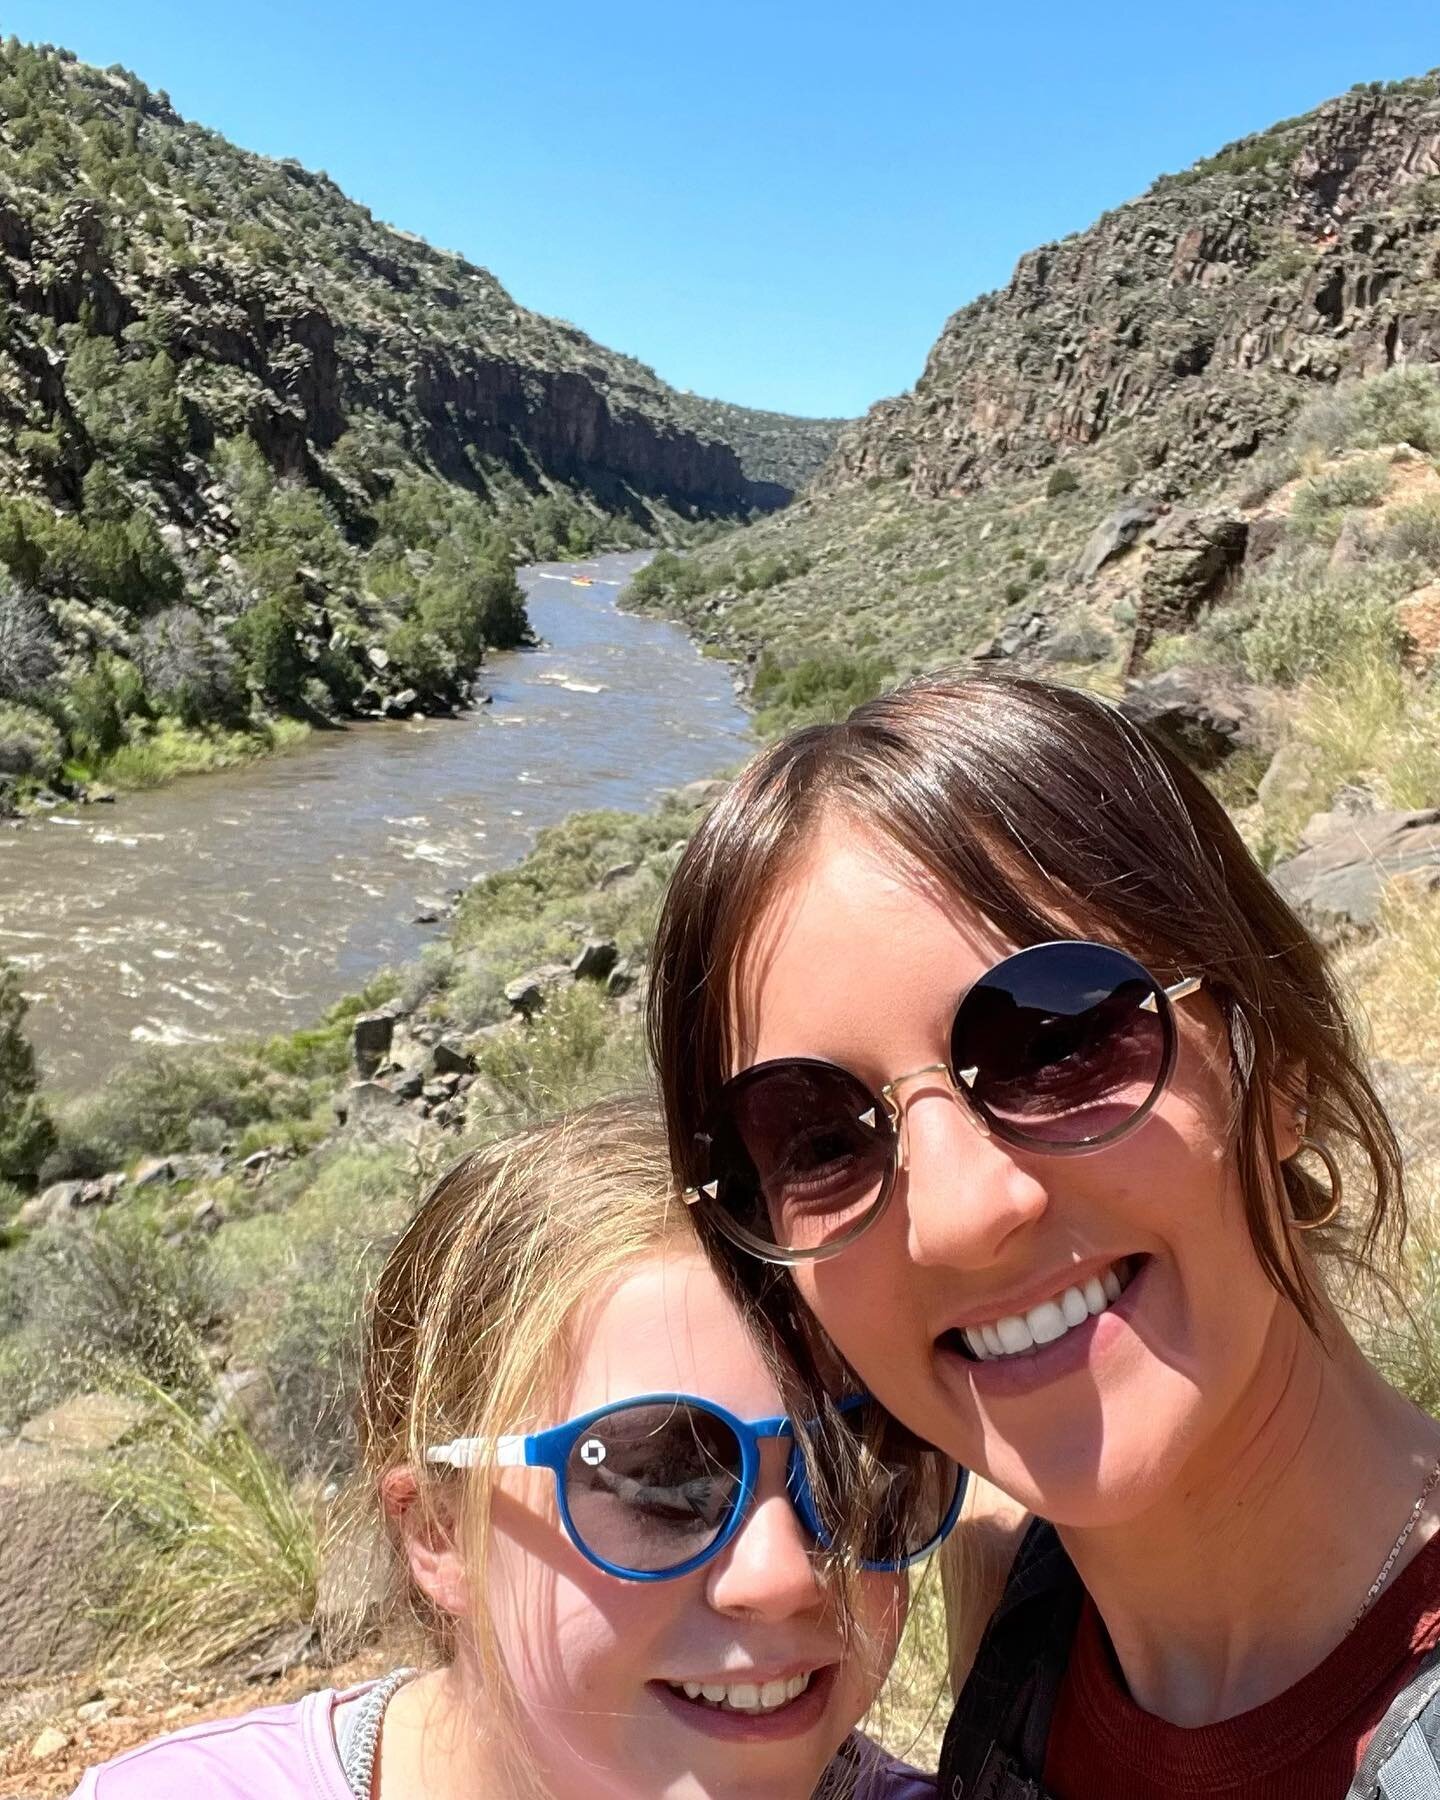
(467, 1332)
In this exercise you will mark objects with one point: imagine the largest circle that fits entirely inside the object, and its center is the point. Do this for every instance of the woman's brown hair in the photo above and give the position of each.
(1051, 814)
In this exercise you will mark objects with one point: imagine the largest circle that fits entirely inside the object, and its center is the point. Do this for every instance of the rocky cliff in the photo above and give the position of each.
(288, 310)
(1192, 321)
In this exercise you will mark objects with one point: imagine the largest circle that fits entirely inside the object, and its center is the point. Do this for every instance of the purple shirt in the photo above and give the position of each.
(289, 1753)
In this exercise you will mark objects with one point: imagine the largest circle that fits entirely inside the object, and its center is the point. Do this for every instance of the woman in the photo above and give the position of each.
(991, 1062)
(598, 1521)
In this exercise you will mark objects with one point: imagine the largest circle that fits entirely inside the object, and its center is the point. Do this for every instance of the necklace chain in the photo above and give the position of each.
(1416, 1513)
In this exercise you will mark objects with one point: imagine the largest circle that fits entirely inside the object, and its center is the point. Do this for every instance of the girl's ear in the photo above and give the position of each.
(430, 1537)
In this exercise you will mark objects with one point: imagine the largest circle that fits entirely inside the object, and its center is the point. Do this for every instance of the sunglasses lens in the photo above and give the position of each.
(902, 1492)
(649, 1487)
(799, 1154)
(1063, 1044)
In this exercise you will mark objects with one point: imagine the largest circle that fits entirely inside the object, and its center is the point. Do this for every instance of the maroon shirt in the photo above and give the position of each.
(1305, 1744)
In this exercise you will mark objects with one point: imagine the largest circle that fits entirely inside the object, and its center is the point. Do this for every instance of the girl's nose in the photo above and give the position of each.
(966, 1193)
(767, 1571)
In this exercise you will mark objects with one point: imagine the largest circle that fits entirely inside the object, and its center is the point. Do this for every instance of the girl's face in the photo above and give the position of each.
(858, 962)
(601, 1664)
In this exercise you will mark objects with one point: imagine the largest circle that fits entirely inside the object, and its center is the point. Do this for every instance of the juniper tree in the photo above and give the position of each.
(26, 1133)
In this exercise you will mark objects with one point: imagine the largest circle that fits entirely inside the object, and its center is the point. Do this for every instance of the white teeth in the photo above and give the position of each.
(1046, 1322)
(1074, 1307)
(1043, 1324)
(746, 1696)
(1014, 1334)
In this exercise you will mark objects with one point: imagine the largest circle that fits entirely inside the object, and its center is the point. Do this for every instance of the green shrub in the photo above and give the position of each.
(26, 1132)
(31, 747)
(573, 1052)
(189, 668)
(815, 690)
(1361, 482)
(1414, 530)
(221, 1551)
(267, 639)
(150, 1102)
(1063, 480)
(28, 657)
(119, 1294)
(1400, 406)
(1299, 620)
(93, 707)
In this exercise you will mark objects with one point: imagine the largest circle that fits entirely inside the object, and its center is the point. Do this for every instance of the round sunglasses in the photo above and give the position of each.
(653, 1488)
(1063, 1047)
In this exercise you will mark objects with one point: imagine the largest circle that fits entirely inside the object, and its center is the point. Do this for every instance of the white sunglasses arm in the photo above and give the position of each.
(467, 1452)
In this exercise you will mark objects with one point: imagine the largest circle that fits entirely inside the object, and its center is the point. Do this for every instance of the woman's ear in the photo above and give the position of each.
(430, 1538)
(1288, 1109)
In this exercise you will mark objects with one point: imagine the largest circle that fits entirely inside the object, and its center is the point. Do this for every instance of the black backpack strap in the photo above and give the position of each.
(1401, 1762)
(995, 1744)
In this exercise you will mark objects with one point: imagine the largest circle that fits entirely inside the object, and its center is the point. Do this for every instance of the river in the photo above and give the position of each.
(246, 901)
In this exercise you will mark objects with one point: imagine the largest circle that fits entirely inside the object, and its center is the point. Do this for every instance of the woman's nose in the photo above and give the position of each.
(767, 1570)
(966, 1194)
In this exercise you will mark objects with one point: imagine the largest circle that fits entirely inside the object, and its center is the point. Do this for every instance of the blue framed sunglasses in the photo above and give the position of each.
(653, 1488)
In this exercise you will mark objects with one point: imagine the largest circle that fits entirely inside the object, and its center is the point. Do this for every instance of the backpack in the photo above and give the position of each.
(995, 1743)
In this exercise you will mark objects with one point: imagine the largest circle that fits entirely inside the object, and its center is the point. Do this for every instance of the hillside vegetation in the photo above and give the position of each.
(264, 457)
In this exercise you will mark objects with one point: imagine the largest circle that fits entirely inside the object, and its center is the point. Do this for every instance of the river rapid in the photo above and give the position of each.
(247, 901)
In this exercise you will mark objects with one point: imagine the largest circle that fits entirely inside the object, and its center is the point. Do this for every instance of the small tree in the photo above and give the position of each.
(26, 1133)
(27, 642)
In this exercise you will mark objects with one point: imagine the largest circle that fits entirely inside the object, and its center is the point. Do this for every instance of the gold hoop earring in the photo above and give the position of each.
(1337, 1186)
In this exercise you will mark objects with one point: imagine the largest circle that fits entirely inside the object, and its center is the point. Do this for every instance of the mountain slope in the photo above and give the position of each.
(259, 452)
(1198, 315)
(1158, 357)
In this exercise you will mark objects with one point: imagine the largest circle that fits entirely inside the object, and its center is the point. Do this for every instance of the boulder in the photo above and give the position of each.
(1289, 776)
(528, 993)
(449, 1058)
(1113, 536)
(407, 1084)
(1337, 877)
(1193, 556)
(621, 978)
(1183, 708)
(151, 1171)
(104, 1190)
(596, 958)
(702, 793)
(92, 1422)
(208, 1217)
(372, 1037)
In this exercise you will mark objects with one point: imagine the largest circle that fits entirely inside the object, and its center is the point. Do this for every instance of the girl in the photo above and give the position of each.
(973, 1013)
(598, 1519)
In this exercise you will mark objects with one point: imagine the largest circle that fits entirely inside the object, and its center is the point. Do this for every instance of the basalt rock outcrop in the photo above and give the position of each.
(1194, 320)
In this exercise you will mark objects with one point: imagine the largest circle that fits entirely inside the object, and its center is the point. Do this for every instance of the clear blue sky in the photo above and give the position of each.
(774, 201)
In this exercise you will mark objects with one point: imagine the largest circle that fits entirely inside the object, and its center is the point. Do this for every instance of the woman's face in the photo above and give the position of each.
(859, 963)
(601, 1664)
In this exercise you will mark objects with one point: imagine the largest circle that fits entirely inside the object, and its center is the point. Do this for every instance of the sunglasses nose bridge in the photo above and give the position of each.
(889, 1094)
